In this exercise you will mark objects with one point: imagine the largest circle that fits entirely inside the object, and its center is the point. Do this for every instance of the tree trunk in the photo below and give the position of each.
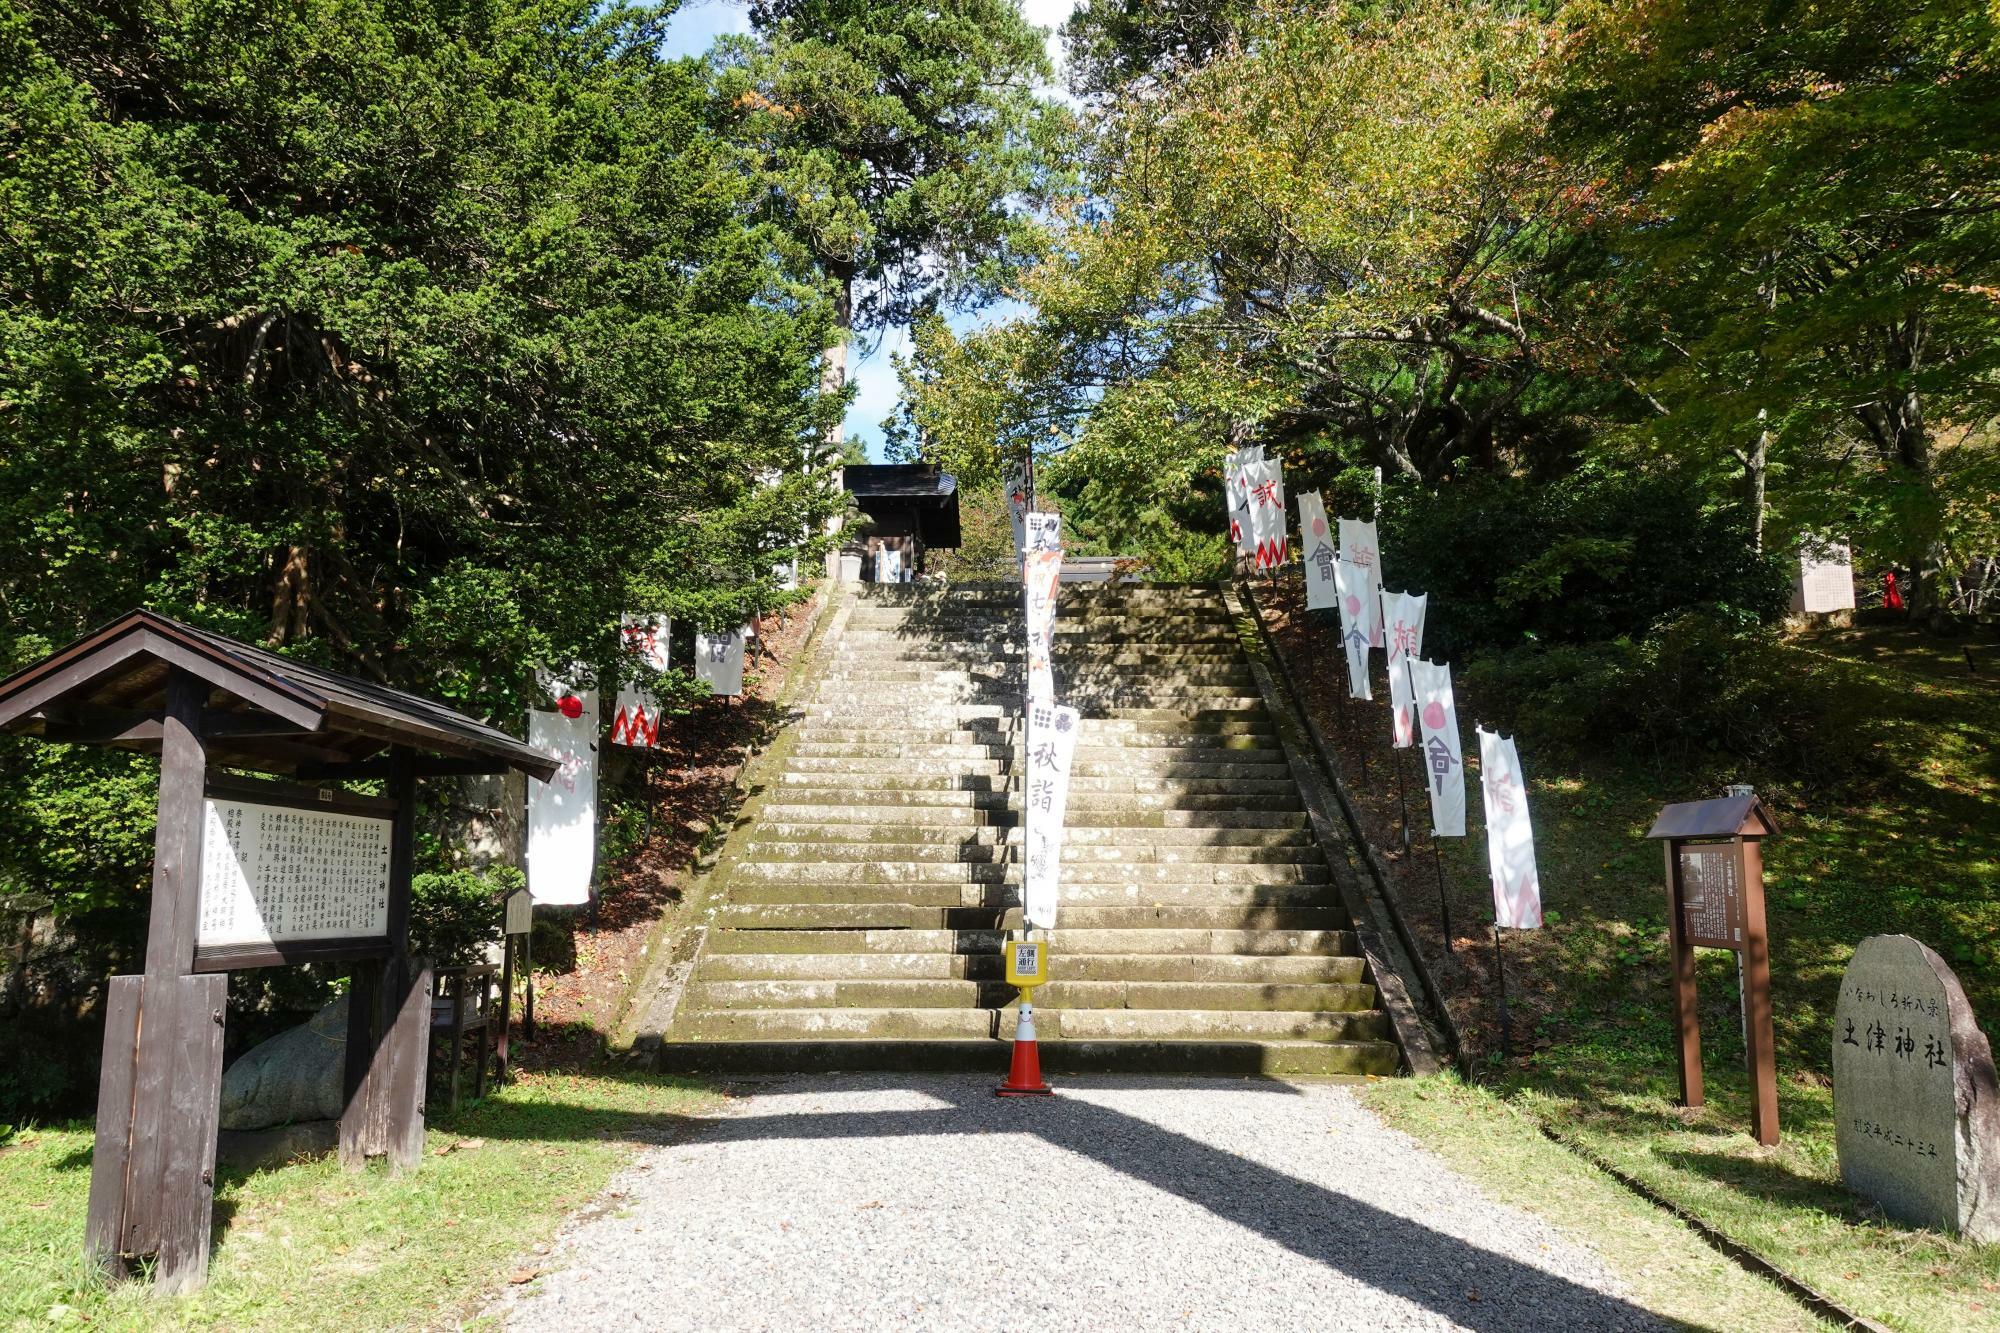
(832, 380)
(1754, 472)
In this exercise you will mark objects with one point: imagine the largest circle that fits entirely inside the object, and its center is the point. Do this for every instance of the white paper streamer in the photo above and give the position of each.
(1510, 837)
(637, 721)
(1051, 742)
(1403, 632)
(562, 812)
(1317, 539)
(1351, 583)
(1444, 763)
(1358, 544)
(718, 659)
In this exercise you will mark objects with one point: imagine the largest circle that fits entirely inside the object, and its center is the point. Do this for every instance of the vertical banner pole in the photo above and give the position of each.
(1402, 798)
(1500, 974)
(1444, 906)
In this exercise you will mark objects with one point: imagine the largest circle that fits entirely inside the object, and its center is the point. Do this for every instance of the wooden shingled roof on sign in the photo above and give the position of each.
(263, 712)
(1723, 817)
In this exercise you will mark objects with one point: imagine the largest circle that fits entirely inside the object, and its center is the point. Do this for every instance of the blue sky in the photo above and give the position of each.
(691, 31)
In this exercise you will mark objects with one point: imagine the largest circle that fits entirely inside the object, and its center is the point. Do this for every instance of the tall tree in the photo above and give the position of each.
(900, 146)
(1801, 209)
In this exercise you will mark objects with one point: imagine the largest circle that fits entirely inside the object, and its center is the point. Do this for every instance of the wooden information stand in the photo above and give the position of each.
(249, 873)
(1715, 900)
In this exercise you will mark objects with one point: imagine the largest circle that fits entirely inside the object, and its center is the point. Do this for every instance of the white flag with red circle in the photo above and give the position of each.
(1443, 761)
(1351, 582)
(562, 812)
(1358, 544)
(1316, 538)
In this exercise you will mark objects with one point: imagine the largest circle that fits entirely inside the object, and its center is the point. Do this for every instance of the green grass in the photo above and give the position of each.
(310, 1246)
(1914, 851)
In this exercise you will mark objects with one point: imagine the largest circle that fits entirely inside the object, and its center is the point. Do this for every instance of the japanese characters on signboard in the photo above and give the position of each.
(1358, 545)
(273, 874)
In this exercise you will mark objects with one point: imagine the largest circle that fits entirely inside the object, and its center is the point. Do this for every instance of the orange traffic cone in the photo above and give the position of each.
(1024, 1071)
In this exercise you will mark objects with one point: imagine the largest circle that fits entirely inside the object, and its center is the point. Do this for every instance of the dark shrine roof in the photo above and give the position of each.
(263, 712)
(921, 489)
(1722, 817)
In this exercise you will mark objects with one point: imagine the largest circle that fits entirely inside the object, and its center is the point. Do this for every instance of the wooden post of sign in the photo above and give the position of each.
(1715, 899)
(389, 1013)
(152, 1183)
(1687, 1019)
(1758, 1035)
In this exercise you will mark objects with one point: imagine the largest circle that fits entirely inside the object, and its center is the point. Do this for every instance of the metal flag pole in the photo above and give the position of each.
(1402, 796)
(1500, 973)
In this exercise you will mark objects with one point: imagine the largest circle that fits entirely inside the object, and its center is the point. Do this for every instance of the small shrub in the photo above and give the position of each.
(455, 914)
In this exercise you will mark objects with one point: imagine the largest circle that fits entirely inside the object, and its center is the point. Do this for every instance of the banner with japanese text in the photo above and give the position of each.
(637, 719)
(718, 659)
(1042, 573)
(1351, 583)
(1051, 742)
(1358, 544)
(1017, 505)
(1265, 485)
(1317, 539)
(1403, 632)
(562, 812)
(1236, 492)
(1510, 837)
(1443, 761)
(1044, 532)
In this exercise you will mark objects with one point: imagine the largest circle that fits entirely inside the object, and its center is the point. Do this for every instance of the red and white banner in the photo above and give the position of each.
(1317, 539)
(1042, 573)
(562, 812)
(718, 659)
(1358, 544)
(1264, 484)
(1403, 632)
(1051, 743)
(1017, 505)
(1510, 837)
(1044, 532)
(637, 721)
(1351, 582)
(1444, 763)
(1236, 491)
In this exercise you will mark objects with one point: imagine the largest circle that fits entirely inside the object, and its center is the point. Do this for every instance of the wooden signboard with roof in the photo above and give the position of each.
(249, 872)
(1715, 900)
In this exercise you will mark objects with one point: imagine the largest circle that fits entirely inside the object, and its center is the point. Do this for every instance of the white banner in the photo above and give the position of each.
(1403, 632)
(1044, 532)
(1351, 583)
(1264, 484)
(1444, 763)
(562, 812)
(1357, 544)
(1051, 741)
(1317, 539)
(1237, 493)
(888, 565)
(1017, 505)
(1042, 573)
(718, 659)
(637, 721)
(1510, 838)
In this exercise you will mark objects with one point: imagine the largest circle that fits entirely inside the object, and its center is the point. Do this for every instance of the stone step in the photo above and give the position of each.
(989, 966)
(1194, 945)
(1083, 672)
(994, 993)
(1082, 768)
(927, 651)
(1268, 1059)
(1128, 850)
(873, 714)
(878, 1024)
(988, 731)
(1084, 754)
(829, 916)
(970, 810)
(995, 835)
(860, 874)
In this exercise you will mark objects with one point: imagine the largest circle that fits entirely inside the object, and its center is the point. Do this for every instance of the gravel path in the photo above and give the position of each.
(901, 1201)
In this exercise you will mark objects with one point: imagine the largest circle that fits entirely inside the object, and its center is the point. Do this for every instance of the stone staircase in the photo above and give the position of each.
(860, 921)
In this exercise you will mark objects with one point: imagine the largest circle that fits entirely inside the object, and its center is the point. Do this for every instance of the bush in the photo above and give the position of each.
(455, 914)
(1698, 694)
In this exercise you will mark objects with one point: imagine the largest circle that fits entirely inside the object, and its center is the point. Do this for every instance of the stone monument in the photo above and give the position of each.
(1916, 1104)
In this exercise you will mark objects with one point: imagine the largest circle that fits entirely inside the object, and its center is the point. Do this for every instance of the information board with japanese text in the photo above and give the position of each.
(273, 874)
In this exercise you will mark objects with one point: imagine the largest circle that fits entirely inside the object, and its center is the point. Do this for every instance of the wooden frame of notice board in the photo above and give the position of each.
(209, 706)
(1715, 900)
